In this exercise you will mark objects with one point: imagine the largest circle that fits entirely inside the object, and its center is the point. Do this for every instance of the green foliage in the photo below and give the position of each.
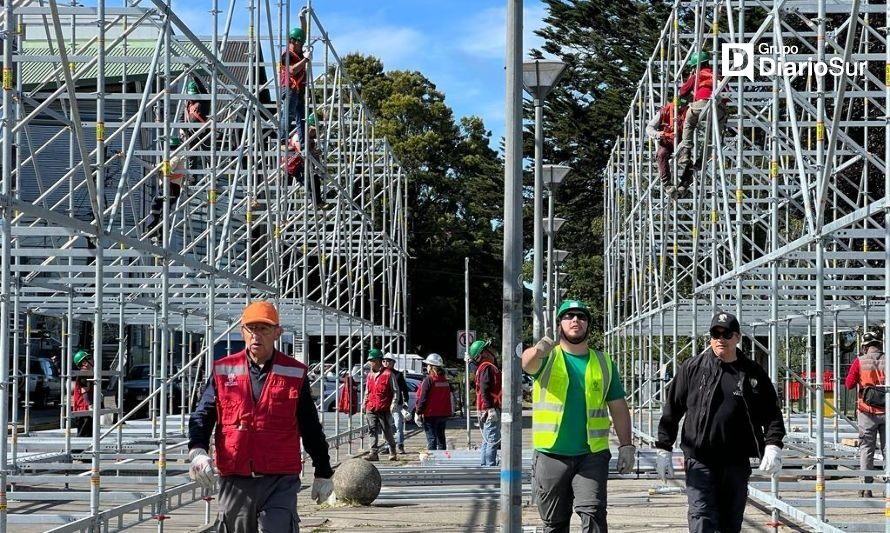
(455, 192)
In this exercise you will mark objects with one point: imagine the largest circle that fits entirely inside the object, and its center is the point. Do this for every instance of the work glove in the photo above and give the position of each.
(626, 456)
(201, 470)
(545, 345)
(406, 414)
(492, 416)
(322, 490)
(418, 419)
(303, 11)
(664, 467)
(772, 460)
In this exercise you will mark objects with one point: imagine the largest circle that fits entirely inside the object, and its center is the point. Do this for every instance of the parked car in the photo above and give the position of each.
(44, 383)
(137, 388)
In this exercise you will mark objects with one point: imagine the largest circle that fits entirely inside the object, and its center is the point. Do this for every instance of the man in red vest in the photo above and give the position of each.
(867, 370)
(82, 393)
(379, 394)
(259, 401)
(292, 74)
(488, 400)
(661, 129)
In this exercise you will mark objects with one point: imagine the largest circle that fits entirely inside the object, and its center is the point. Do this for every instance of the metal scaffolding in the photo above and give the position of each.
(785, 226)
(92, 99)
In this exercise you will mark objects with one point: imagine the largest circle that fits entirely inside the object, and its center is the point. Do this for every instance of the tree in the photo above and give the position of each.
(605, 45)
(455, 190)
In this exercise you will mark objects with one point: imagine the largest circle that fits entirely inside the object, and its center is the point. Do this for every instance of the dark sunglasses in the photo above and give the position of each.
(722, 333)
(580, 316)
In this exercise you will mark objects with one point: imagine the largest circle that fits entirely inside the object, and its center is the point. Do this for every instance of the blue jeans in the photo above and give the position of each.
(293, 108)
(399, 426)
(491, 440)
(434, 427)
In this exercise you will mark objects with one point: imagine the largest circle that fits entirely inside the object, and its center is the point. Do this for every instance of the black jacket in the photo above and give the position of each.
(402, 389)
(692, 391)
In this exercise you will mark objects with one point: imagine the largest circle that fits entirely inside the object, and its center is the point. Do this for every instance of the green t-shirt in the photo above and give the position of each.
(572, 436)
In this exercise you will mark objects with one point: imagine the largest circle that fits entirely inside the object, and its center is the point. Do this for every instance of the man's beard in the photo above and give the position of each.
(575, 339)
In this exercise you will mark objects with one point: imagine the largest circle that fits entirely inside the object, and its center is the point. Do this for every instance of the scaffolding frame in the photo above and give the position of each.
(786, 225)
(329, 249)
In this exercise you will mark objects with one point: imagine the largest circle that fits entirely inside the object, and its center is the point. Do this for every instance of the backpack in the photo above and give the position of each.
(873, 396)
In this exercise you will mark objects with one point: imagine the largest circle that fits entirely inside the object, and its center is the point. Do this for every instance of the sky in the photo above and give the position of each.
(457, 44)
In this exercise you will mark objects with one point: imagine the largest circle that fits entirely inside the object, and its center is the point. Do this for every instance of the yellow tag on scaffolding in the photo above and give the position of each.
(100, 131)
(249, 216)
(72, 66)
(820, 486)
(305, 249)
(211, 196)
(250, 31)
(774, 169)
(7, 79)
(887, 74)
(864, 246)
(739, 195)
(162, 464)
(277, 232)
(694, 231)
(20, 28)
(714, 27)
(713, 216)
(94, 479)
(165, 169)
(820, 131)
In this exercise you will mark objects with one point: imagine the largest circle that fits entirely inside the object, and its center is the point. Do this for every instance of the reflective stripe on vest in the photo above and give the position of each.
(549, 396)
(289, 371)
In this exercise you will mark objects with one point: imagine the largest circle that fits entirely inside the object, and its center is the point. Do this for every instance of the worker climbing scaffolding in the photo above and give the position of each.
(293, 76)
(699, 86)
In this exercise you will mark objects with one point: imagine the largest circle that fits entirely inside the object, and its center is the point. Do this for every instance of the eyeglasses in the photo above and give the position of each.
(722, 333)
(259, 329)
(580, 316)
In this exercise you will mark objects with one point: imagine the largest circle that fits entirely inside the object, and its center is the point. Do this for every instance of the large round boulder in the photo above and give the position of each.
(357, 480)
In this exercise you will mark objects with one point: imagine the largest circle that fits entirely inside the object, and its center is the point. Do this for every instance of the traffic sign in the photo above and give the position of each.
(464, 339)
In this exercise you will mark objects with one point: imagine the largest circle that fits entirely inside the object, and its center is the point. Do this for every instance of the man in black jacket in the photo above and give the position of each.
(399, 401)
(732, 414)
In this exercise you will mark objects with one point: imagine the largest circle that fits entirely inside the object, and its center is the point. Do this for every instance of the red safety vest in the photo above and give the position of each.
(703, 88)
(495, 386)
(379, 391)
(438, 402)
(666, 117)
(262, 437)
(348, 396)
(871, 372)
(80, 399)
(292, 57)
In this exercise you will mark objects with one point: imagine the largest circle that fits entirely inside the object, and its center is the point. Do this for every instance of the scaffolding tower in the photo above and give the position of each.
(785, 226)
(94, 232)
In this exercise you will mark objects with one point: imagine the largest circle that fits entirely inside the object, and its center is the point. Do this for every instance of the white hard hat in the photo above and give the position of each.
(434, 359)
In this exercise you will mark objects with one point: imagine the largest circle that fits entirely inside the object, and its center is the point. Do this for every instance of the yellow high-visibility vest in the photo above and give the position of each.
(549, 398)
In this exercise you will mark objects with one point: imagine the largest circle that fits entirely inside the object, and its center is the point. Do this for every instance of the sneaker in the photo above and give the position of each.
(373, 456)
(401, 448)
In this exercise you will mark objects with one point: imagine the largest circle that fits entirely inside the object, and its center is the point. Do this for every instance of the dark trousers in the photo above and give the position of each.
(434, 427)
(292, 110)
(663, 161)
(265, 504)
(717, 496)
(561, 482)
(380, 422)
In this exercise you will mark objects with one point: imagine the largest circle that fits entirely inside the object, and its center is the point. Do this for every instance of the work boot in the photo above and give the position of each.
(394, 457)
(401, 448)
(373, 456)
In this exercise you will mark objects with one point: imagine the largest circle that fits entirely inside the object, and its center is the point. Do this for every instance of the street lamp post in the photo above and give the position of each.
(552, 176)
(555, 261)
(539, 77)
(551, 226)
